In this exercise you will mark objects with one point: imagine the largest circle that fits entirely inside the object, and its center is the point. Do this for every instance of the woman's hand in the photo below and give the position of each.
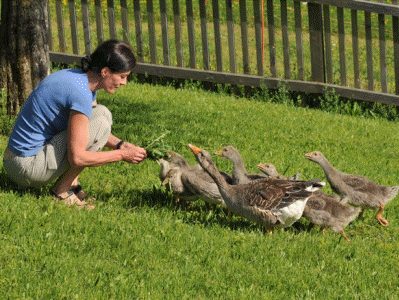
(132, 154)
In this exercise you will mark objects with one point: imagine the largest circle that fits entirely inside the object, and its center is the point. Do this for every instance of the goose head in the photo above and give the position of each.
(268, 169)
(203, 157)
(229, 152)
(315, 156)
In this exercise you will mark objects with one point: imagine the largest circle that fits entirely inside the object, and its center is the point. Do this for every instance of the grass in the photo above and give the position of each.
(138, 243)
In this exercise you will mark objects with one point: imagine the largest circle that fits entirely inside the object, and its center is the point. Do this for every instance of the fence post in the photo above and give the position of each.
(316, 41)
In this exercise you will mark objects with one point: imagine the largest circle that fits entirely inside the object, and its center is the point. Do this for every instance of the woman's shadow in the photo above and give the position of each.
(7, 186)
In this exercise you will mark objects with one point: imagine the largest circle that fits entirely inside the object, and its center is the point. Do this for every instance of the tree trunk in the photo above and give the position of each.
(24, 49)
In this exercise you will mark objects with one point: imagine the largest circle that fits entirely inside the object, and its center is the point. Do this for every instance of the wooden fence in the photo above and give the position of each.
(351, 46)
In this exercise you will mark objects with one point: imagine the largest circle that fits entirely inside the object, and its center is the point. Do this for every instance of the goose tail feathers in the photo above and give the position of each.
(314, 186)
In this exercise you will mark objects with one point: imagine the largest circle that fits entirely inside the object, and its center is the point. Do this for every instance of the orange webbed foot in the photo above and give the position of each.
(382, 220)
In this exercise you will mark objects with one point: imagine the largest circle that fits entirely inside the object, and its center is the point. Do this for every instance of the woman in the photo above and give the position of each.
(61, 129)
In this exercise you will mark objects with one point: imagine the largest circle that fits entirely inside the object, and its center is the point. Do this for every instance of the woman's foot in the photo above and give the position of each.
(82, 195)
(70, 198)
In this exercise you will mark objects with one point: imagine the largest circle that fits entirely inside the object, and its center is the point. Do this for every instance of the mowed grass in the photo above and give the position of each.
(138, 243)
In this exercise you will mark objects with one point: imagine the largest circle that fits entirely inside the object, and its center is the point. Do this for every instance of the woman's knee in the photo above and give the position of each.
(101, 111)
(100, 130)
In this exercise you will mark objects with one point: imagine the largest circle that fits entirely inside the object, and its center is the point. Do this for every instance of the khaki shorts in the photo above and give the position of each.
(52, 160)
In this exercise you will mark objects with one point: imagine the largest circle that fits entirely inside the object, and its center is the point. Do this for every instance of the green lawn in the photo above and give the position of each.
(137, 243)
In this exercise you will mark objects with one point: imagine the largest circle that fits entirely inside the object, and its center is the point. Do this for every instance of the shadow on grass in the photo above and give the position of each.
(134, 198)
(193, 213)
(197, 212)
(7, 185)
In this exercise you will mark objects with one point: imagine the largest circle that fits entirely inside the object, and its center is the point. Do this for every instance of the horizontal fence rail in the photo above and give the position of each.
(350, 46)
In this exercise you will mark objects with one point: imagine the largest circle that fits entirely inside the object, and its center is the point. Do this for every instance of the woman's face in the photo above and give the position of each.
(112, 81)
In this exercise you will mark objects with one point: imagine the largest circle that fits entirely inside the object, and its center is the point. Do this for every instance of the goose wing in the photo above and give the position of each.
(267, 193)
(255, 176)
(200, 183)
(360, 183)
(271, 194)
(316, 202)
(295, 192)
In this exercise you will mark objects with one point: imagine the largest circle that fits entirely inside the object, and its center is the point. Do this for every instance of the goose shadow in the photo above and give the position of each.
(191, 213)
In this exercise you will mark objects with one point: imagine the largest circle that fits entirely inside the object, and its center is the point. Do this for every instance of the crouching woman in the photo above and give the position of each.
(61, 129)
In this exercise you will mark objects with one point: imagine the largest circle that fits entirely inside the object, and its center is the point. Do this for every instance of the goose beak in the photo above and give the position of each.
(219, 152)
(194, 149)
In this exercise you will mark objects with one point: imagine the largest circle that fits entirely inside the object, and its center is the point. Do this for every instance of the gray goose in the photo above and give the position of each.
(178, 160)
(165, 168)
(326, 211)
(321, 209)
(270, 170)
(268, 202)
(196, 183)
(170, 177)
(355, 189)
(239, 173)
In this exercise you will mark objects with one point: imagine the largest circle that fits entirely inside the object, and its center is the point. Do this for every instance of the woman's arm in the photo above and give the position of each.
(78, 137)
(113, 141)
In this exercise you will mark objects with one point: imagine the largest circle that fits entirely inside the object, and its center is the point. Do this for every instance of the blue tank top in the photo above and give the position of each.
(46, 112)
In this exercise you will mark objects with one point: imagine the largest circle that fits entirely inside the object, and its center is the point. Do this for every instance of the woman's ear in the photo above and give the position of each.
(105, 72)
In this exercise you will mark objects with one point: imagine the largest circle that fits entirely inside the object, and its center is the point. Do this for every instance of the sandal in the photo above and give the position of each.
(69, 200)
(78, 189)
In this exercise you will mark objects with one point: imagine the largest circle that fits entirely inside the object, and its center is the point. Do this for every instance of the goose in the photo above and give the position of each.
(268, 202)
(171, 178)
(356, 189)
(178, 160)
(270, 170)
(325, 210)
(321, 209)
(239, 174)
(195, 182)
(165, 168)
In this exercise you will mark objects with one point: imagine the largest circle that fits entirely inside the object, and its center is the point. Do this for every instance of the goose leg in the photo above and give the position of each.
(380, 218)
(229, 215)
(344, 235)
(360, 215)
(268, 230)
(181, 202)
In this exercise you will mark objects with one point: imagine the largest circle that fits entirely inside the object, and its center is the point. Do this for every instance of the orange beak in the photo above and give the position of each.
(194, 149)
(219, 152)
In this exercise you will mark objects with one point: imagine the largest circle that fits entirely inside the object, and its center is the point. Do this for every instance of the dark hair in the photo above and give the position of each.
(114, 54)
